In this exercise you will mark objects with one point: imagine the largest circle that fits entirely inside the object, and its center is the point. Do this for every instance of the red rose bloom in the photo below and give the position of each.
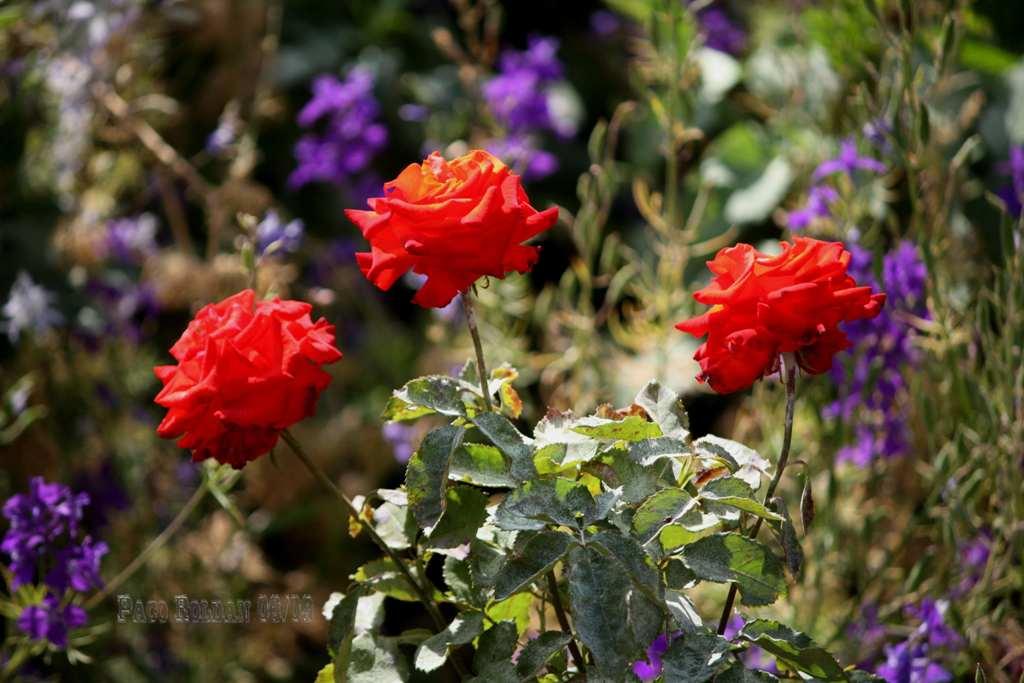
(246, 370)
(764, 305)
(453, 222)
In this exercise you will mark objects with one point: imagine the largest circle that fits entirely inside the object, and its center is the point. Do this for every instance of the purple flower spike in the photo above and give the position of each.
(1013, 194)
(49, 621)
(819, 201)
(849, 162)
(351, 134)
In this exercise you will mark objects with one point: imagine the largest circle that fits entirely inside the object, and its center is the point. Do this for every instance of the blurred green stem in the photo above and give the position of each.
(481, 369)
(155, 544)
(325, 481)
(788, 368)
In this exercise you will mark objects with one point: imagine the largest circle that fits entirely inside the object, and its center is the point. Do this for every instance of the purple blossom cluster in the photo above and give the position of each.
(29, 307)
(821, 197)
(884, 348)
(274, 236)
(121, 307)
(719, 31)
(46, 544)
(913, 660)
(350, 134)
(1013, 194)
(520, 97)
(131, 239)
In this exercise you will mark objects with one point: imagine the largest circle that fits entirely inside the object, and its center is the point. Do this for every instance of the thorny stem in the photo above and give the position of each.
(788, 364)
(325, 481)
(563, 621)
(467, 307)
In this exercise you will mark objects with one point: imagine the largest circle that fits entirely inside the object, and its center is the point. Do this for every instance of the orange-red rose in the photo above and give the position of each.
(246, 370)
(762, 306)
(453, 222)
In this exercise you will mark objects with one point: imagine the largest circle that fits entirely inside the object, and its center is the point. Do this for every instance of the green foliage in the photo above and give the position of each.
(516, 515)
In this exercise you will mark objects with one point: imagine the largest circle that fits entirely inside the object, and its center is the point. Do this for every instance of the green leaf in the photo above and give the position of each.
(433, 652)
(537, 652)
(428, 395)
(650, 451)
(634, 560)
(532, 556)
(484, 562)
(325, 675)
(755, 202)
(538, 503)
(509, 441)
(496, 646)
(736, 493)
(426, 477)
(695, 657)
(683, 611)
(791, 549)
(341, 629)
(383, 576)
(637, 482)
(516, 608)
(659, 510)
(632, 428)
(395, 525)
(794, 648)
(481, 465)
(691, 527)
(555, 436)
(459, 580)
(740, 560)
(600, 592)
(744, 462)
(376, 659)
(666, 409)
(465, 511)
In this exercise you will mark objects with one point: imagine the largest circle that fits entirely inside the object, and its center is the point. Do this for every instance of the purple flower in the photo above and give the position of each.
(274, 236)
(849, 162)
(819, 200)
(933, 629)
(718, 31)
(77, 567)
(400, 436)
(120, 308)
(50, 621)
(649, 669)
(29, 307)
(519, 95)
(909, 663)
(351, 134)
(873, 383)
(41, 520)
(130, 240)
(1013, 194)
(754, 657)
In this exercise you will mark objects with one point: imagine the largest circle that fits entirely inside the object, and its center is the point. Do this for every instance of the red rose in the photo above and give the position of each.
(764, 305)
(453, 222)
(246, 370)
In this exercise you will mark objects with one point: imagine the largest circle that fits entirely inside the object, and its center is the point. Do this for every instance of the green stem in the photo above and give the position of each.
(788, 364)
(421, 592)
(467, 307)
(563, 621)
(154, 545)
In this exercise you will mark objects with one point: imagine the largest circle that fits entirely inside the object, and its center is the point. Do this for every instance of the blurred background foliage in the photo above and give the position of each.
(148, 146)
